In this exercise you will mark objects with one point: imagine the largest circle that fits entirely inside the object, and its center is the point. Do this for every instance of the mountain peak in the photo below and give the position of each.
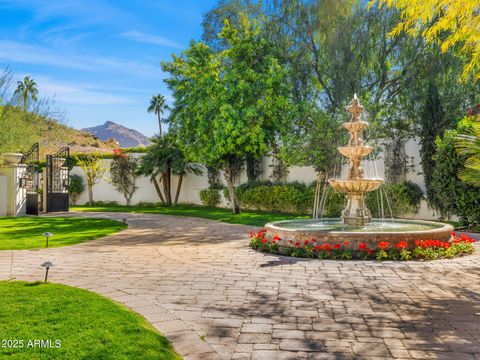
(126, 137)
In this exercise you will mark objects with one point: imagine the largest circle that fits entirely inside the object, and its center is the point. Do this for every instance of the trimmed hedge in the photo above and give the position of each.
(210, 197)
(297, 198)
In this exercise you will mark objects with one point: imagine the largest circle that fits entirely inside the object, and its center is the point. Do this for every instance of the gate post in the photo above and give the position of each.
(13, 171)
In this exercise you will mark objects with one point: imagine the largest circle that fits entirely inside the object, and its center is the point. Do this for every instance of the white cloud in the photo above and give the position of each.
(151, 39)
(11, 51)
(79, 94)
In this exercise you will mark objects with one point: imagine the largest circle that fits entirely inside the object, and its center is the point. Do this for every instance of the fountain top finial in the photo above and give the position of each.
(355, 108)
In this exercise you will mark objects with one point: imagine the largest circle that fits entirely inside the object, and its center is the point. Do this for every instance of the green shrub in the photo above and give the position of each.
(451, 195)
(76, 187)
(147, 204)
(298, 198)
(287, 198)
(210, 197)
(400, 198)
(103, 203)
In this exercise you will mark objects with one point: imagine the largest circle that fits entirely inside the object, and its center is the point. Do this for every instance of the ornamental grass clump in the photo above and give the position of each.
(401, 250)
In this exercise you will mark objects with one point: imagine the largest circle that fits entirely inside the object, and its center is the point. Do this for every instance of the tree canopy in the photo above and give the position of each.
(451, 24)
(228, 103)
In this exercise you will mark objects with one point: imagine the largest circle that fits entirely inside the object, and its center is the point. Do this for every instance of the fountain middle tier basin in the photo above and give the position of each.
(355, 185)
(355, 151)
(333, 231)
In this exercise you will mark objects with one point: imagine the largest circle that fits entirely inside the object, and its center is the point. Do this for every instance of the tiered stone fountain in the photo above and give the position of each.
(356, 224)
(356, 185)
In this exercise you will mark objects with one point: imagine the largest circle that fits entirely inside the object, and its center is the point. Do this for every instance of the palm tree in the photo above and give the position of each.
(181, 167)
(163, 159)
(468, 144)
(27, 89)
(157, 105)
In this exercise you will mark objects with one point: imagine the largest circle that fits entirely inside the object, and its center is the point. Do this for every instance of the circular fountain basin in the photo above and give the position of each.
(333, 231)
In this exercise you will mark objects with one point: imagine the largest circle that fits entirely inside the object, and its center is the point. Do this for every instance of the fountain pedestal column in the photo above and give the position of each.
(356, 213)
(356, 185)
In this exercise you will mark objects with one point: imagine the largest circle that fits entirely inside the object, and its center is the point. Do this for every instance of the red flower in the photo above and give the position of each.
(297, 244)
(327, 247)
(369, 251)
(337, 246)
(290, 241)
(313, 241)
(251, 234)
(305, 242)
(276, 238)
(264, 241)
(401, 245)
(383, 245)
(345, 243)
(362, 246)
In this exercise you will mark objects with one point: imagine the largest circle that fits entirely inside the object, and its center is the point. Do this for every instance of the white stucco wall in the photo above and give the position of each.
(15, 198)
(3, 195)
(193, 184)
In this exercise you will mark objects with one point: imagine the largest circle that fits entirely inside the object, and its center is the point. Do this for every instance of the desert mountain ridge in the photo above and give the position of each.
(125, 137)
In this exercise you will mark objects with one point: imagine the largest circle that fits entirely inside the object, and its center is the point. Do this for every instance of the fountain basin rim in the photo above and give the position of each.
(438, 227)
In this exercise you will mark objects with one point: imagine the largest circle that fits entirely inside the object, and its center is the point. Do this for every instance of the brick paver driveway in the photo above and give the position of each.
(198, 282)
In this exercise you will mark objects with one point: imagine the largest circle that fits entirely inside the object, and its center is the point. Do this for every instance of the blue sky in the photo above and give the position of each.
(99, 59)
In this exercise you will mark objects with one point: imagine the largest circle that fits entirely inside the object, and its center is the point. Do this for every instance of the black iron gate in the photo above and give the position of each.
(57, 180)
(30, 179)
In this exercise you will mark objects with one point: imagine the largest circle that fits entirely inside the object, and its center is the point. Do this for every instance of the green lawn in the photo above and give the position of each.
(26, 232)
(255, 218)
(87, 325)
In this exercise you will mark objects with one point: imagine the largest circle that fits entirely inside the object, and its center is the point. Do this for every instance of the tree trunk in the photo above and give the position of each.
(159, 124)
(179, 186)
(90, 194)
(323, 199)
(166, 178)
(316, 200)
(157, 188)
(231, 187)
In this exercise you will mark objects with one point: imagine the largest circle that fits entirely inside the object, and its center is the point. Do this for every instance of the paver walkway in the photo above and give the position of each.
(198, 283)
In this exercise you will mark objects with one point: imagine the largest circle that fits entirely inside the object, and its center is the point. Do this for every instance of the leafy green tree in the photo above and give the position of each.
(468, 144)
(123, 174)
(158, 104)
(452, 195)
(27, 89)
(94, 169)
(228, 103)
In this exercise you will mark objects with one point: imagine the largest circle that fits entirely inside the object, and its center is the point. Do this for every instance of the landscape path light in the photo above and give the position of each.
(124, 220)
(47, 235)
(47, 265)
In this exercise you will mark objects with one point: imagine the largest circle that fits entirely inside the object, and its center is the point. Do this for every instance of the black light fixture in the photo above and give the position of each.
(47, 265)
(47, 235)
(23, 182)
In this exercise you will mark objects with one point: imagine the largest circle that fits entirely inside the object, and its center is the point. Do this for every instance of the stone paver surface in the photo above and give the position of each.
(198, 282)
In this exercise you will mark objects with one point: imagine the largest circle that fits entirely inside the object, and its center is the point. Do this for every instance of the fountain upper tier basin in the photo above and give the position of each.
(355, 186)
(333, 231)
(355, 126)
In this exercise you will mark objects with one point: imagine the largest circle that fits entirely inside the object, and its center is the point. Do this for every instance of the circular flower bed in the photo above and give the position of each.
(421, 250)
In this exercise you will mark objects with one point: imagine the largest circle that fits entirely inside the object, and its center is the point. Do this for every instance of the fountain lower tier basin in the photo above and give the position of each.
(333, 231)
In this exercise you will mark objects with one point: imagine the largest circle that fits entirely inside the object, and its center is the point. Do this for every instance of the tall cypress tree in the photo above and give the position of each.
(432, 124)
